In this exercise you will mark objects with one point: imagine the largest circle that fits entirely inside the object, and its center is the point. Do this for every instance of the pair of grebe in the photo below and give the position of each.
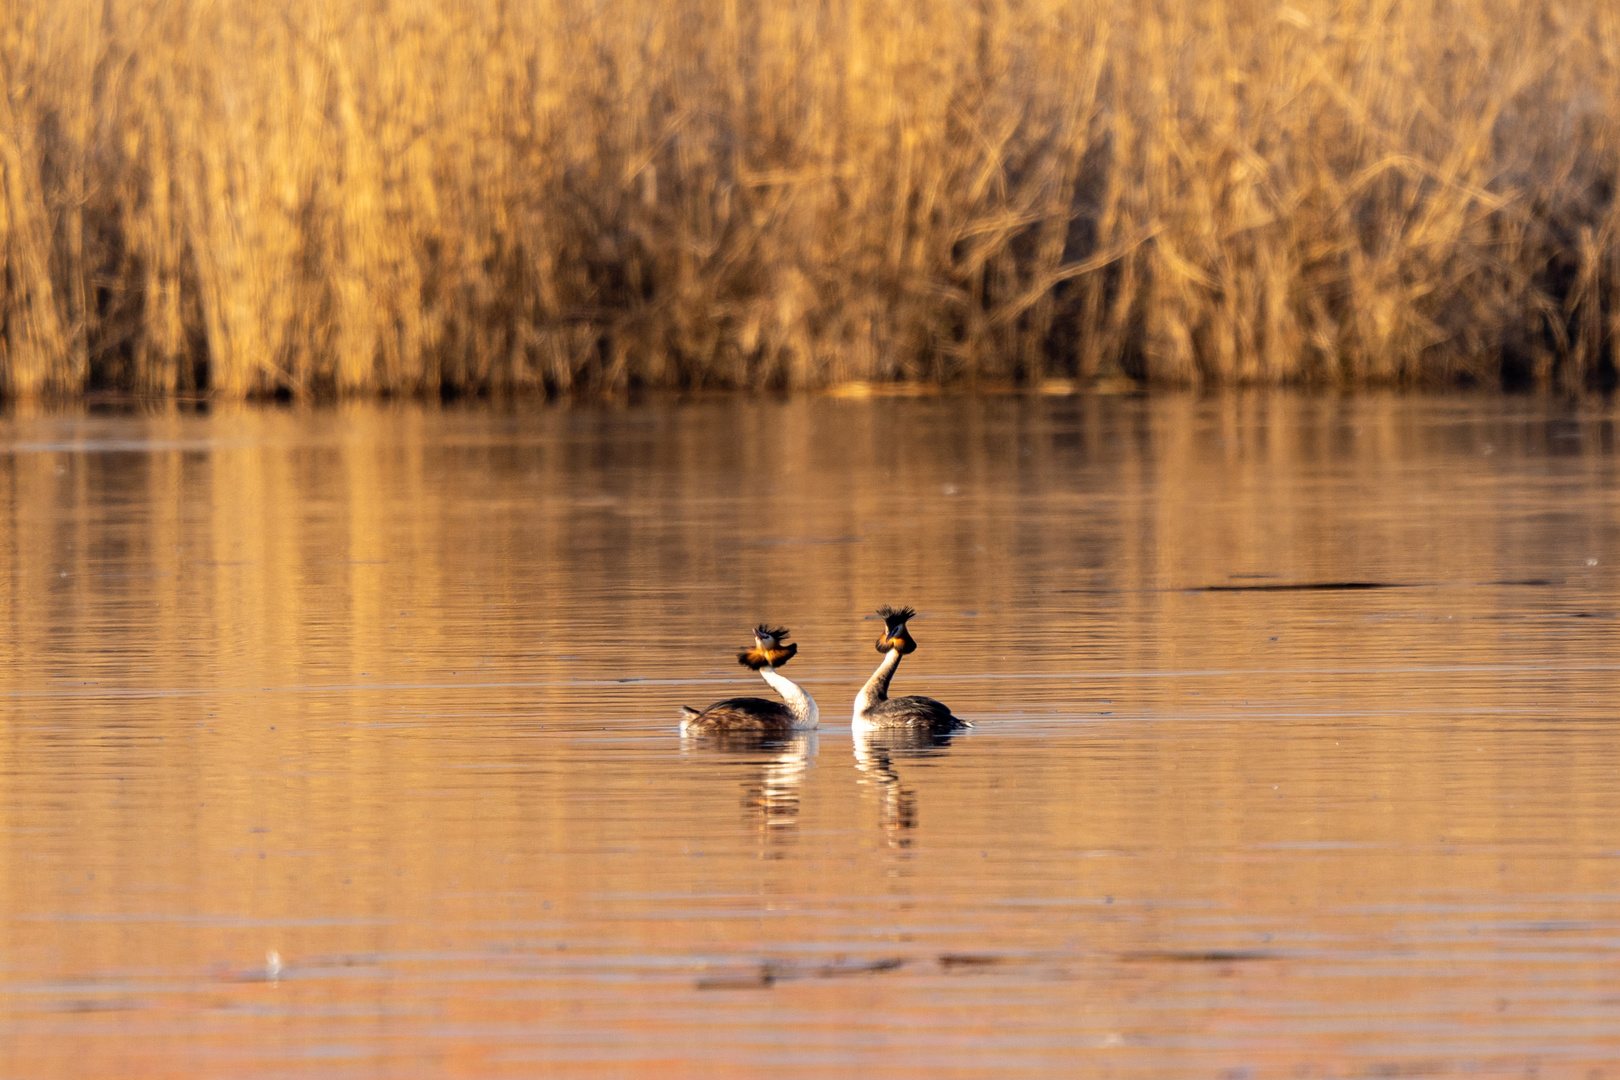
(874, 709)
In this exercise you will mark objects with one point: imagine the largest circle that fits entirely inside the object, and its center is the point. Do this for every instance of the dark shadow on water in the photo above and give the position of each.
(767, 973)
(1310, 586)
(1212, 956)
(1353, 586)
(878, 756)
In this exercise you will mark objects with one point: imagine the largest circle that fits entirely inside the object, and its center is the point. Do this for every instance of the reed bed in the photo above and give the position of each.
(486, 196)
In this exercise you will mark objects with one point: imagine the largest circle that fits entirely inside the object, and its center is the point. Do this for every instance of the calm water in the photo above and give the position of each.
(343, 744)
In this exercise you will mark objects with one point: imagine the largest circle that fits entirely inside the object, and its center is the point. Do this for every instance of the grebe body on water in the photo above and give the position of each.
(796, 712)
(875, 710)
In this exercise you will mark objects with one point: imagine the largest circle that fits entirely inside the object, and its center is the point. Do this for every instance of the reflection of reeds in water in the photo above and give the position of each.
(409, 195)
(875, 756)
(775, 771)
(259, 552)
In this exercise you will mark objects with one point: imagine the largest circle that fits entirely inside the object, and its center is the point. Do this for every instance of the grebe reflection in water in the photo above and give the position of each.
(877, 753)
(875, 710)
(772, 768)
(754, 714)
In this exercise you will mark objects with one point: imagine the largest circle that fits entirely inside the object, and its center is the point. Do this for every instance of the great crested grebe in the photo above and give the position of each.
(770, 651)
(874, 709)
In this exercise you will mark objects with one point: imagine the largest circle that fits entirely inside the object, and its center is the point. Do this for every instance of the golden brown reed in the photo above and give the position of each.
(412, 196)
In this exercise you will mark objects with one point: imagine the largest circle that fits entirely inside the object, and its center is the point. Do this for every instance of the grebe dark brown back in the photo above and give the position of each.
(874, 709)
(770, 651)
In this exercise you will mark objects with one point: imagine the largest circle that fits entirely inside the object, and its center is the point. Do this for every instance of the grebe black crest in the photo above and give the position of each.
(895, 635)
(874, 709)
(796, 712)
(770, 648)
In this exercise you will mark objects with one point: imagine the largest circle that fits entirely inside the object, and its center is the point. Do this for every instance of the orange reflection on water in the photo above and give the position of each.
(391, 693)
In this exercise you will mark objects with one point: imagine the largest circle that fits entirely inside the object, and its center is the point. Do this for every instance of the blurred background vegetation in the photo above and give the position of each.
(427, 196)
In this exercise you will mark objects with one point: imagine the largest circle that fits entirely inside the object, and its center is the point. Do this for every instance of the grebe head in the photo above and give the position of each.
(895, 635)
(770, 648)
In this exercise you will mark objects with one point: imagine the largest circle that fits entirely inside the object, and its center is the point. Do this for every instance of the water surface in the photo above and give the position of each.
(343, 743)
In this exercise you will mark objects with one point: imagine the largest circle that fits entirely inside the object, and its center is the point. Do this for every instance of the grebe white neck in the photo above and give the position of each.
(799, 702)
(875, 691)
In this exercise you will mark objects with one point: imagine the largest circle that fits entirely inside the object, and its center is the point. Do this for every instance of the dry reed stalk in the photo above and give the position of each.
(413, 196)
